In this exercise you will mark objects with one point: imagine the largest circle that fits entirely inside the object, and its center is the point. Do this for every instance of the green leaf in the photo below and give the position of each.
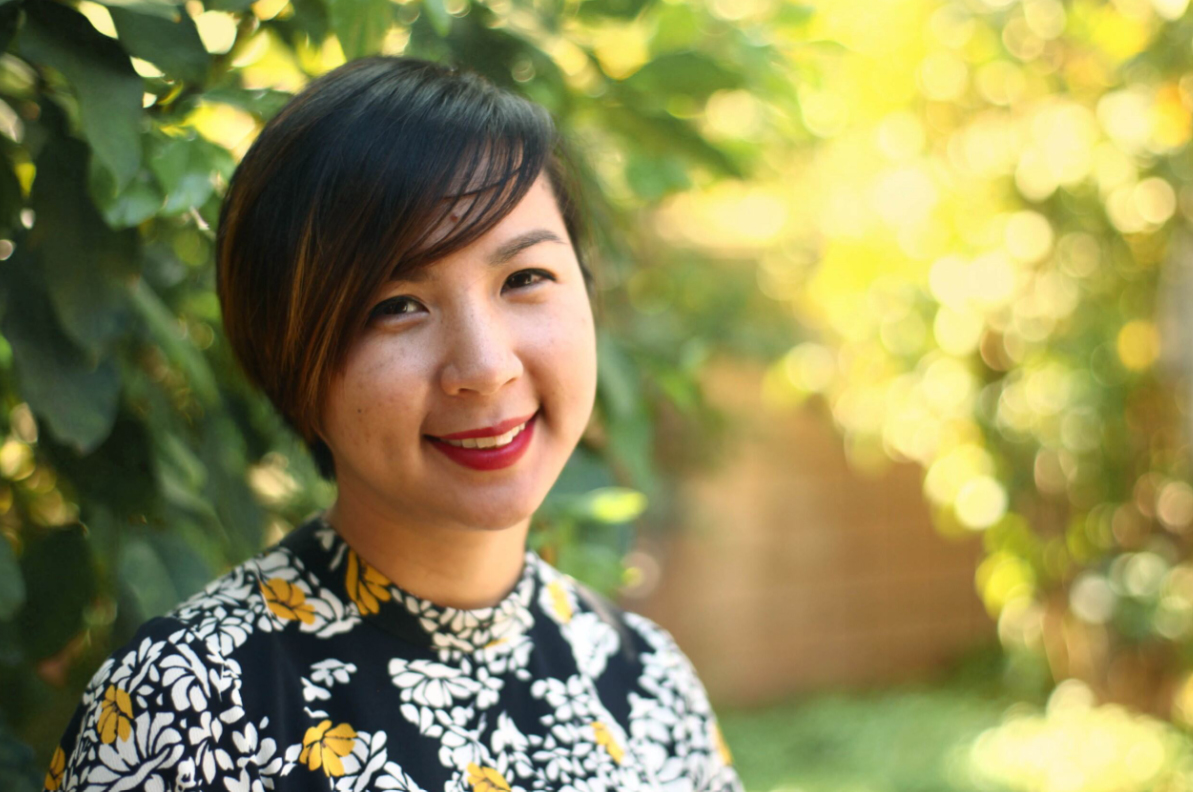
(142, 571)
(162, 9)
(437, 15)
(184, 168)
(10, 18)
(690, 73)
(261, 102)
(61, 582)
(361, 25)
(76, 397)
(108, 89)
(11, 198)
(117, 474)
(12, 585)
(172, 44)
(140, 200)
(223, 455)
(616, 9)
(617, 378)
(86, 263)
(163, 327)
(654, 178)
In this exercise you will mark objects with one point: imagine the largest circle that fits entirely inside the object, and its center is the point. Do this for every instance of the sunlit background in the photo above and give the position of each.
(893, 423)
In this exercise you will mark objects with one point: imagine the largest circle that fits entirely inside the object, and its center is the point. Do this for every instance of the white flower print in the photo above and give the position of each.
(324, 674)
(431, 684)
(593, 642)
(332, 672)
(259, 682)
(511, 747)
(155, 745)
(570, 699)
(394, 778)
(510, 654)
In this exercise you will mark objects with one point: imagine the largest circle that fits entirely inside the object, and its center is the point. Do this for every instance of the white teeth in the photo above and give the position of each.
(488, 442)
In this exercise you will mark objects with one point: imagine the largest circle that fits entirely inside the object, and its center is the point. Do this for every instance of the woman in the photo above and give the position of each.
(398, 272)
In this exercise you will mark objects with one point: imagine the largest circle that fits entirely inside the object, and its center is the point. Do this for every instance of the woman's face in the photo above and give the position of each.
(495, 332)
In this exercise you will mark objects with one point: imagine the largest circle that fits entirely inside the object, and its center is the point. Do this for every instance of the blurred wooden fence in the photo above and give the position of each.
(793, 573)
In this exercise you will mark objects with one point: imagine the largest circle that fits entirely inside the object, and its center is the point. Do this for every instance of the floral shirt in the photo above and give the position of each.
(305, 669)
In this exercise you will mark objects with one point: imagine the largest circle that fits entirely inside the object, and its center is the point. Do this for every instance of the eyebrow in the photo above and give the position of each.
(504, 252)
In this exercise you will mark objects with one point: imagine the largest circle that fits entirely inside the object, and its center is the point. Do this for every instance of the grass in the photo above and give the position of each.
(910, 738)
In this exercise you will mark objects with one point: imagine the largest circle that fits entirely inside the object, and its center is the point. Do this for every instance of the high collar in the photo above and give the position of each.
(379, 601)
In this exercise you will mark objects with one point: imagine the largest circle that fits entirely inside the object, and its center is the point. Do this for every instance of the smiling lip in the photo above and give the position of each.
(490, 458)
(488, 431)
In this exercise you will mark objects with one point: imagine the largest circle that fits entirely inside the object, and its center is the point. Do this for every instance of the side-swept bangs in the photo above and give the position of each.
(352, 184)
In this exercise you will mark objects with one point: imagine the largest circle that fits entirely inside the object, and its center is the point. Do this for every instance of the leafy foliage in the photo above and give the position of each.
(135, 462)
(997, 273)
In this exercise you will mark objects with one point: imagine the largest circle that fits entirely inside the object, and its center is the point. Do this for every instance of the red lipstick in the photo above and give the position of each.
(489, 458)
(488, 431)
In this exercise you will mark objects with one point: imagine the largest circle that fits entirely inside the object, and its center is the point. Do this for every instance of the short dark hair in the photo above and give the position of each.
(342, 190)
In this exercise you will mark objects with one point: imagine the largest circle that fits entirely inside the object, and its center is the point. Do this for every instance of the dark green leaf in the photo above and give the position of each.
(86, 263)
(656, 133)
(361, 25)
(233, 6)
(261, 102)
(118, 474)
(173, 45)
(19, 771)
(10, 18)
(108, 89)
(76, 397)
(184, 168)
(141, 570)
(239, 513)
(12, 585)
(140, 200)
(617, 9)
(437, 15)
(618, 379)
(61, 582)
(654, 178)
(163, 328)
(163, 9)
(11, 198)
(689, 73)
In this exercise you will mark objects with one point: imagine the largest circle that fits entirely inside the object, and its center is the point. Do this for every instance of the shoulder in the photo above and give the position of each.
(169, 703)
(270, 594)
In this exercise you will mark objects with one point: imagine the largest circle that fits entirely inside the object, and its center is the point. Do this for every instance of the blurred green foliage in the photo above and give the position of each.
(990, 248)
(135, 463)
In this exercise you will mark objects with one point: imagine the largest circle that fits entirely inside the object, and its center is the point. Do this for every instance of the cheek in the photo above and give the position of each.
(373, 398)
(569, 351)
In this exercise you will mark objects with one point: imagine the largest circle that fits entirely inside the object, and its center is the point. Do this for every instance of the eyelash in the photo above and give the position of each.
(380, 309)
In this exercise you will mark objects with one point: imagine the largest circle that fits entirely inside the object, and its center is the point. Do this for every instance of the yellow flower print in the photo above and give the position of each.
(115, 715)
(495, 642)
(287, 601)
(719, 741)
(57, 768)
(486, 779)
(365, 584)
(603, 737)
(559, 600)
(322, 748)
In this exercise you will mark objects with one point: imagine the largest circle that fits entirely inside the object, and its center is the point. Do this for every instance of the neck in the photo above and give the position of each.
(455, 567)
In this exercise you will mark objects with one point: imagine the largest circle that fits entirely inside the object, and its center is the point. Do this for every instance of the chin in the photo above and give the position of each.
(491, 521)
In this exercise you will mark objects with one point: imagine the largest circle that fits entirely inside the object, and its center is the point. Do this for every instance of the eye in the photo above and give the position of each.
(393, 307)
(529, 277)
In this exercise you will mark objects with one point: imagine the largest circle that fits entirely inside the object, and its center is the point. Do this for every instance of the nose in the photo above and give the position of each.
(481, 356)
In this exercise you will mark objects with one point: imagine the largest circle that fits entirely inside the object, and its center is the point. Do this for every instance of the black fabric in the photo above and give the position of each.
(305, 669)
